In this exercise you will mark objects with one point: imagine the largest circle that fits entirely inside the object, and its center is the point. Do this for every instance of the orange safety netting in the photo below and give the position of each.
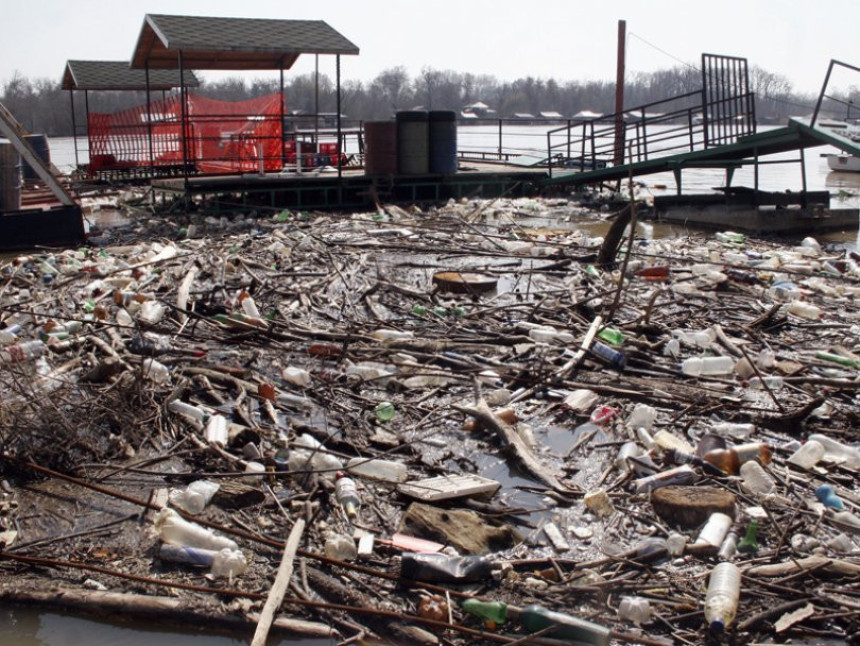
(220, 136)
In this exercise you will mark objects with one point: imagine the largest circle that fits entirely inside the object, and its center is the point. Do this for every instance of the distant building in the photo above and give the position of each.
(551, 114)
(523, 115)
(477, 109)
(587, 114)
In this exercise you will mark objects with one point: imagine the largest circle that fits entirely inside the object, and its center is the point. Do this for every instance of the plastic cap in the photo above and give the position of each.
(718, 627)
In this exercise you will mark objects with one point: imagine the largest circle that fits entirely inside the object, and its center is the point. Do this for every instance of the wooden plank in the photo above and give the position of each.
(449, 487)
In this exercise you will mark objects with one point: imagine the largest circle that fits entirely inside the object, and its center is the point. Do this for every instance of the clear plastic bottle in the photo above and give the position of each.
(707, 366)
(340, 548)
(808, 455)
(297, 376)
(174, 529)
(733, 429)
(721, 599)
(375, 469)
(384, 334)
(701, 339)
(195, 496)
(346, 493)
(20, 352)
(837, 451)
(729, 547)
(771, 382)
(189, 411)
(156, 371)
(756, 480)
(682, 475)
(216, 430)
(643, 416)
(636, 610)
(805, 310)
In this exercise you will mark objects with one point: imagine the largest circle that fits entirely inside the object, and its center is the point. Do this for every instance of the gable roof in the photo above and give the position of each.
(212, 43)
(117, 75)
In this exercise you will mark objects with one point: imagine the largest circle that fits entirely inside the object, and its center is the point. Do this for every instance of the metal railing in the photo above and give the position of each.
(823, 95)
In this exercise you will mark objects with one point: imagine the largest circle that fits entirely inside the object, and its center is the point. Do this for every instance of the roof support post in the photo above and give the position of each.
(74, 126)
(339, 125)
(618, 157)
(183, 121)
(149, 120)
(283, 102)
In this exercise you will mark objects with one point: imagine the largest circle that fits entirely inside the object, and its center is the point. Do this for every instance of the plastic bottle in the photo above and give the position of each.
(229, 563)
(9, 334)
(707, 366)
(613, 357)
(296, 376)
(837, 451)
(189, 411)
(643, 416)
(808, 455)
(155, 371)
(733, 429)
(701, 339)
(216, 430)
(828, 497)
(435, 567)
(383, 470)
(805, 310)
(547, 334)
(611, 336)
(655, 273)
(346, 493)
(151, 313)
(729, 547)
(194, 497)
(249, 306)
(771, 382)
(384, 334)
(627, 450)
(634, 609)
(838, 358)
(553, 625)
(756, 480)
(341, 548)
(749, 543)
(730, 460)
(384, 411)
(20, 352)
(667, 441)
(676, 543)
(176, 530)
(715, 530)
(721, 599)
(730, 237)
(682, 475)
(224, 562)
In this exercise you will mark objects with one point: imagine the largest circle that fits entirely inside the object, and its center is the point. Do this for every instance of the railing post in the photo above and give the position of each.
(500, 140)
(821, 96)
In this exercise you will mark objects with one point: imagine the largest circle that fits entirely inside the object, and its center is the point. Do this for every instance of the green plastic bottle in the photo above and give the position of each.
(611, 336)
(838, 358)
(749, 544)
(419, 310)
(537, 618)
(384, 411)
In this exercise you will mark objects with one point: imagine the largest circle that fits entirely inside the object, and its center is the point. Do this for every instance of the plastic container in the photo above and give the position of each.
(346, 493)
(838, 358)
(714, 531)
(226, 562)
(174, 529)
(194, 497)
(768, 382)
(374, 469)
(229, 563)
(188, 411)
(433, 567)
(150, 313)
(729, 547)
(627, 450)
(733, 429)
(666, 441)
(611, 336)
(707, 366)
(384, 411)
(701, 339)
(676, 543)
(296, 376)
(731, 237)
(828, 497)
(721, 599)
(808, 455)
(384, 334)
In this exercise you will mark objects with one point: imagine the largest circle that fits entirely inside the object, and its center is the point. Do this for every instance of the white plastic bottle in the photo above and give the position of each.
(194, 497)
(216, 430)
(721, 599)
(176, 530)
(707, 366)
(808, 455)
(229, 563)
(155, 371)
(715, 530)
(296, 376)
(374, 469)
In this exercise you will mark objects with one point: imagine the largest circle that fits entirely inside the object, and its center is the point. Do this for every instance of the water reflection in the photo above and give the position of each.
(27, 627)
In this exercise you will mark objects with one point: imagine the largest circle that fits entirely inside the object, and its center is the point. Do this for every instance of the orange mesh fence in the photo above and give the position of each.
(220, 136)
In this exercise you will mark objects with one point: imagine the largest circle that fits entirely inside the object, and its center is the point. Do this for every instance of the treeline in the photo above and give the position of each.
(43, 107)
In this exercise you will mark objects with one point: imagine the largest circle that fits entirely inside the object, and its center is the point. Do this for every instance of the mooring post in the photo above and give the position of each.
(618, 158)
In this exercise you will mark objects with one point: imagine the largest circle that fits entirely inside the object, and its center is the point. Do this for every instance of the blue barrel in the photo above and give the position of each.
(413, 156)
(443, 141)
(10, 178)
(39, 143)
(380, 147)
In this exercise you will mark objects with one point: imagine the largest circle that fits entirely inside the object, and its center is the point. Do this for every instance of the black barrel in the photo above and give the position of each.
(39, 143)
(10, 178)
(443, 141)
(380, 147)
(413, 157)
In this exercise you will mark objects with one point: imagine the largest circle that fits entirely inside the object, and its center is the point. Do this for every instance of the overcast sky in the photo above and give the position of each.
(563, 39)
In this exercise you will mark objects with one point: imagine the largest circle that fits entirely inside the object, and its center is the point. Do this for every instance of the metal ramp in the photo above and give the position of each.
(713, 128)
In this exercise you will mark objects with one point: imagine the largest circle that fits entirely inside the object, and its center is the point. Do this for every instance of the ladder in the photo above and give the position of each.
(14, 132)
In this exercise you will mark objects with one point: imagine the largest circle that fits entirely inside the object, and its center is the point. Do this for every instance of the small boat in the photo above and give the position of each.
(848, 163)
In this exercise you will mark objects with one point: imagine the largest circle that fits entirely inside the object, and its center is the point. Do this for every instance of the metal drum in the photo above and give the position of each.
(380, 147)
(10, 178)
(413, 157)
(39, 143)
(443, 141)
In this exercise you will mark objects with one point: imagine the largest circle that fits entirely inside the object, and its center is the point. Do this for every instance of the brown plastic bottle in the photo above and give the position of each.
(729, 461)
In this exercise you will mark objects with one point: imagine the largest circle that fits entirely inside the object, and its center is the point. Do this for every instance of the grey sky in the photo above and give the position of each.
(563, 39)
